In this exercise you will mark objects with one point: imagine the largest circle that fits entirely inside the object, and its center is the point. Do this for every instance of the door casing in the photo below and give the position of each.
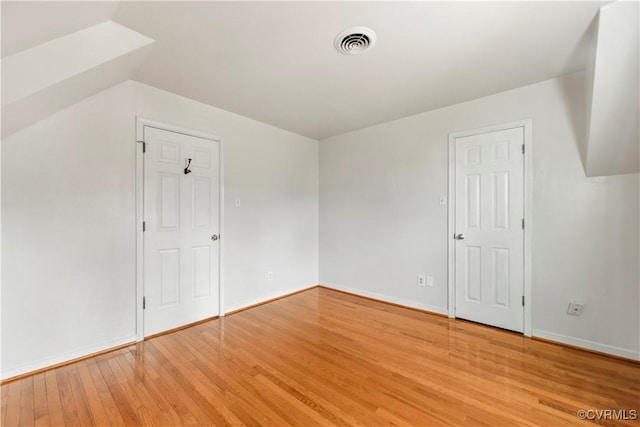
(140, 124)
(528, 214)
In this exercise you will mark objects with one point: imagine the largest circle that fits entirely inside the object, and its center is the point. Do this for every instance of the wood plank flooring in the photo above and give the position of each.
(323, 358)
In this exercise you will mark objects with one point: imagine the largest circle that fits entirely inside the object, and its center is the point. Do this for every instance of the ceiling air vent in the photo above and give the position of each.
(354, 41)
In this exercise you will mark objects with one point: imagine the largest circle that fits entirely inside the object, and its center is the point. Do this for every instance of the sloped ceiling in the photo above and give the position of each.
(27, 24)
(275, 61)
(612, 145)
(46, 78)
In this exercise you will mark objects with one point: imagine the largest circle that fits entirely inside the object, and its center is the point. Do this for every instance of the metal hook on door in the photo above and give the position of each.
(186, 169)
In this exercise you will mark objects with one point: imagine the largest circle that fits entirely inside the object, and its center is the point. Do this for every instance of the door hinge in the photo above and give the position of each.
(144, 226)
(144, 147)
(523, 223)
(144, 302)
(523, 300)
(522, 148)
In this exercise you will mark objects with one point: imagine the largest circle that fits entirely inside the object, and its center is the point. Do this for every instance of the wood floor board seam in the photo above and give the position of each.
(324, 357)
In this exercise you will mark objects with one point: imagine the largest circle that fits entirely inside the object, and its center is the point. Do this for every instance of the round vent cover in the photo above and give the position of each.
(354, 41)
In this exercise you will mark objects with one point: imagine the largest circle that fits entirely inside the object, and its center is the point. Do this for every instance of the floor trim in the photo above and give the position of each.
(386, 299)
(66, 362)
(549, 337)
(589, 346)
(328, 358)
(258, 304)
(179, 328)
(557, 339)
(587, 350)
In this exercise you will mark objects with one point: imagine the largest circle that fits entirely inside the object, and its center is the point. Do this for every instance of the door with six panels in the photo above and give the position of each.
(489, 235)
(181, 237)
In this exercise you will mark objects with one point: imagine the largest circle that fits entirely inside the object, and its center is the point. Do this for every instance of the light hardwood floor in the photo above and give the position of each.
(326, 358)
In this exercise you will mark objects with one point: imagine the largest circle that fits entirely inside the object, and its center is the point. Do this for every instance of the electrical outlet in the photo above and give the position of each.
(270, 275)
(421, 280)
(430, 281)
(575, 309)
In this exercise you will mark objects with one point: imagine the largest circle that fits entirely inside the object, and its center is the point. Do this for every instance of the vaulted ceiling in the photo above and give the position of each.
(275, 61)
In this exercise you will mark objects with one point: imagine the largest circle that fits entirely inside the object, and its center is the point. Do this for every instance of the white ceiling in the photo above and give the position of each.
(275, 61)
(26, 24)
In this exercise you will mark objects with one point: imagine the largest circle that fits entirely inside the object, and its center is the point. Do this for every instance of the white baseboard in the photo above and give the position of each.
(264, 298)
(386, 298)
(590, 345)
(66, 357)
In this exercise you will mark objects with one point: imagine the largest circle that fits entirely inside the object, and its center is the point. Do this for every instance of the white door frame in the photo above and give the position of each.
(140, 124)
(528, 214)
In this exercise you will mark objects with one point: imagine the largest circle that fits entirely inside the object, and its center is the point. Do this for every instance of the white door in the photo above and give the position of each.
(181, 241)
(489, 218)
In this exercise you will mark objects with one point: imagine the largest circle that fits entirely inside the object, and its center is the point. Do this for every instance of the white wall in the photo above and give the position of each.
(381, 224)
(275, 175)
(68, 242)
(68, 220)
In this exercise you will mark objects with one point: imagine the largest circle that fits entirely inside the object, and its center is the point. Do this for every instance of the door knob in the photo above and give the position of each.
(214, 237)
(459, 236)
